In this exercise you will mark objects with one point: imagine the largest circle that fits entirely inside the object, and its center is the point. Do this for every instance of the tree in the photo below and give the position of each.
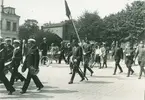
(90, 25)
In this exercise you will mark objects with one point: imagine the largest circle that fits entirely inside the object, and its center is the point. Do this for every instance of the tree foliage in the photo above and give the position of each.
(30, 29)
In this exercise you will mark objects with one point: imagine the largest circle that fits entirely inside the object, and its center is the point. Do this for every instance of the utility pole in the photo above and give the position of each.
(1, 11)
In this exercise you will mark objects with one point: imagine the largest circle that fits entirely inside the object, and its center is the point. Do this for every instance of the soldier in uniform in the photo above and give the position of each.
(140, 53)
(16, 60)
(3, 78)
(129, 55)
(76, 57)
(87, 56)
(44, 49)
(118, 55)
(32, 63)
(10, 49)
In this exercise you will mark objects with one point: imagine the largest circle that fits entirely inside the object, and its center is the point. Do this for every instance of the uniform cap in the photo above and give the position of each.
(31, 40)
(17, 41)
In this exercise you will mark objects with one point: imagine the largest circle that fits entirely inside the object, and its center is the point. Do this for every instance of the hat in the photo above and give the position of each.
(32, 40)
(17, 41)
(8, 40)
(44, 38)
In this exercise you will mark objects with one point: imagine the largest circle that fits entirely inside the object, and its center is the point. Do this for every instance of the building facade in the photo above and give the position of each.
(9, 26)
(64, 29)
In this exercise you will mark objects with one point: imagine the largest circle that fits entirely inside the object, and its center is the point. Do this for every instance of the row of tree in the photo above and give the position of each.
(128, 22)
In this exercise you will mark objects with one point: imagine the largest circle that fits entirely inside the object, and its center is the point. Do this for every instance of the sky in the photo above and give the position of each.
(45, 11)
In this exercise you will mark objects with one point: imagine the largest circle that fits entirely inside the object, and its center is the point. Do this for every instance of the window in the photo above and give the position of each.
(14, 26)
(8, 25)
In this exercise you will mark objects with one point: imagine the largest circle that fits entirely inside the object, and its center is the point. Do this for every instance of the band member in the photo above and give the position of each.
(62, 51)
(44, 49)
(3, 78)
(87, 56)
(118, 55)
(129, 55)
(10, 49)
(32, 62)
(140, 53)
(76, 57)
(104, 55)
(16, 60)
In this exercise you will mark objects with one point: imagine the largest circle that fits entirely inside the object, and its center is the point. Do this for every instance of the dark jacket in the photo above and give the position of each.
(77, 53)
(3, 55)
(10, 49)
(44, 47)
(17, 55)
(32, 58)
(87, 50)
(118, 53)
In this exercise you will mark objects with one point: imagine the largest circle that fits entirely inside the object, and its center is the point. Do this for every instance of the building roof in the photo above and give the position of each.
(54, 25)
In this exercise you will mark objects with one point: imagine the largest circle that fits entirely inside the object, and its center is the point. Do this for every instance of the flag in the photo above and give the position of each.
(68, 13)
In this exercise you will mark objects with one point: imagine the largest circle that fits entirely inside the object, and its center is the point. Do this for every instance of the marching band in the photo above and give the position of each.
(16, 53)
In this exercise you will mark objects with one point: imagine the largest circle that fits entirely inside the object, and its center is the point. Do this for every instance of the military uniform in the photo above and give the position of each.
(118, 55)
(3, 78)
(129, 55)
(87, 51)
(76, 55)
(16, 59)
(141, 59)
(32, 60)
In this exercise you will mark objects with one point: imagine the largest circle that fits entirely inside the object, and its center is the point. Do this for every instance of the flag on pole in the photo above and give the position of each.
(68, 13)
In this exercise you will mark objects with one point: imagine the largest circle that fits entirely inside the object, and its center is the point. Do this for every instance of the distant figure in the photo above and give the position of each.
(62, 51)
(118, 55)
(129, 55)
(44, 49)
(104, 55)
(140, 53)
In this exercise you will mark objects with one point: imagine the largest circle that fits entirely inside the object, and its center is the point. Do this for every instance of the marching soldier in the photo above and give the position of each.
(87, 55)
(10, 49)
(140, 53)
(118, 55)
(32, 63)
(129, 55)
(3, 78)
(16, 60)
(76, 57)
(44, 49)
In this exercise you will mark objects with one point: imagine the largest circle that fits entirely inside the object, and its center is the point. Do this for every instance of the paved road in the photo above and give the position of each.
(101, 86)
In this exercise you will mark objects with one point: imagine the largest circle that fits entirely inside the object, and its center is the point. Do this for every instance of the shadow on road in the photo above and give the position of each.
(27, 96)
(98, 82)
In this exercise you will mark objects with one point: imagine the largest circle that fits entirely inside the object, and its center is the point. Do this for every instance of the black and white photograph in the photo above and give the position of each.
(72, 49)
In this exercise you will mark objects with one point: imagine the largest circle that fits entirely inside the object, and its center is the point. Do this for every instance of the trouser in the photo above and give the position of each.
(5, 81)
(15, 73)
(129, 62)
(86, 65)
(141, 64)
(62, 57)
(76, 70)
(44, 54)
(28, 79)
(105, 61)
(117, 61)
